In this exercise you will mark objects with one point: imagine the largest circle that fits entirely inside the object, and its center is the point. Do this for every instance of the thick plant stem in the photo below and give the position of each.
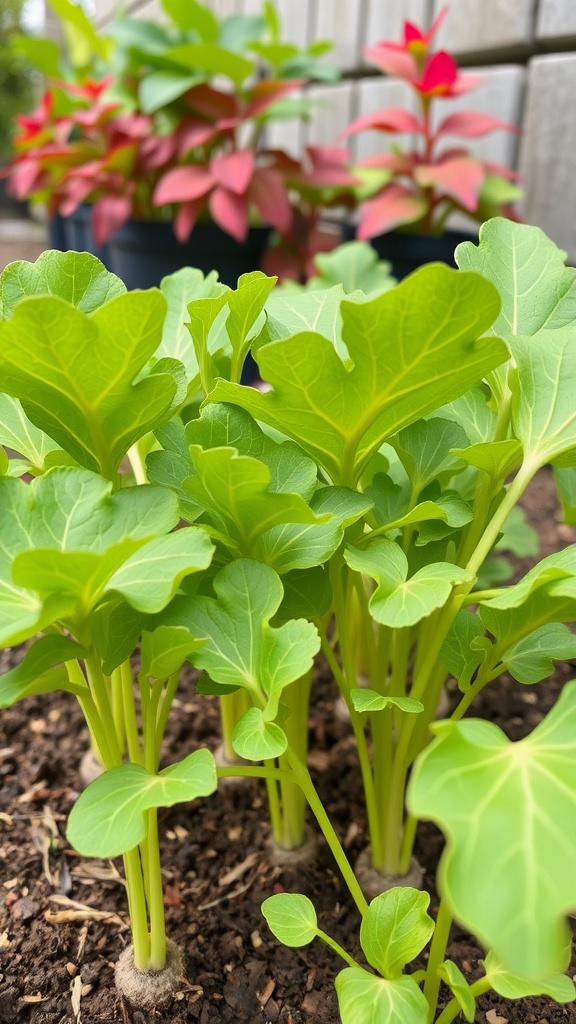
(155, 896)
(117, 694)
(436, 958)
(137, 909)
(164, 710)
(293, 804)
(102, 700)
(130, 720)
(232, 707)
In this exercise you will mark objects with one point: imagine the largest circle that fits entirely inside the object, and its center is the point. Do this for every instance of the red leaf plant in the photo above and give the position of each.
(422, 186)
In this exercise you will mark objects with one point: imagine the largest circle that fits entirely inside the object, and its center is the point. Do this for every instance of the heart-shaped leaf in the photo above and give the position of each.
(366, 999)
(77, 277)
(291, 918)
(109, 816)
(509, 813)
(256, 739)
(395, 929)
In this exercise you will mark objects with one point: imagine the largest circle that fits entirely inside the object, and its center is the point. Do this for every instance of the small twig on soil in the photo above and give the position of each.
(80, 912)
(235, 873)
(229, 895)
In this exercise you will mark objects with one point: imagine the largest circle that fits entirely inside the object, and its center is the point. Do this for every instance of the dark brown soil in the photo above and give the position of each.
(57, 947)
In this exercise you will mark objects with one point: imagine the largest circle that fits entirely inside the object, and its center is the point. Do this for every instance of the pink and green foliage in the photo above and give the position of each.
(421, 187)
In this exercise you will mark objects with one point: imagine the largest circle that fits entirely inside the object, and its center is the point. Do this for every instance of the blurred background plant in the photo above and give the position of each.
(18, 80)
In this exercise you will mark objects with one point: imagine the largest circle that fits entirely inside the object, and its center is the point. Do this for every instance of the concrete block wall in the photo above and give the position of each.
(525, 50)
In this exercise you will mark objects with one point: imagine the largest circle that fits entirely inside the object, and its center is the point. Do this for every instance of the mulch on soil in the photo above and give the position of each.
(63, 919)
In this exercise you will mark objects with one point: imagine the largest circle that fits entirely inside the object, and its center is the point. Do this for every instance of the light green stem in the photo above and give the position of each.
(130, 720)
(137, 909)
(118, 707)
(164, 710)
(102, 701)
(155, 896)
(337, 948)
(232, 707)
(436, 958)
(297, 698)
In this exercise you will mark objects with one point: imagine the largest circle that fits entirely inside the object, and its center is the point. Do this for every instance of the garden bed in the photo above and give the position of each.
(57, 951)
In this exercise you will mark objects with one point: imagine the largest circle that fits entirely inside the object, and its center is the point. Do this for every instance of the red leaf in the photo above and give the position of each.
(393, 206)
(230, 211)
(194, 133)
(25, 178)
(181, 184)
(109, 214)
(269, 195)
(439, 75)
(264, 94)
(460, 178)
(157, 150)
(394, 60)
(504, 172)
(390, 119)
(212, 103)
(186, 218)
(75, 190)
(470, 124)
(234, 171)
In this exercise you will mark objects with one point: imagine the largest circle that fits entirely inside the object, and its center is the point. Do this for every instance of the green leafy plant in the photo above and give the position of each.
(350, 510)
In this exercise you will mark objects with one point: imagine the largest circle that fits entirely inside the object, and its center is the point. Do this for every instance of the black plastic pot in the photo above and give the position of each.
(79, 237)
(408, 252)
(57, 233)
(143, 252)
(10, 208)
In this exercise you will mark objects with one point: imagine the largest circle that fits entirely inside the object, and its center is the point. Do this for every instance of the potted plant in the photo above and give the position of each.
(412, 193)
(155, 141)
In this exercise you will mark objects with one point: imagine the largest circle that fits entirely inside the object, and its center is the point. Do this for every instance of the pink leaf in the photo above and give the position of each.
(471, 125)
(108, 214)
(230, 211)
(503, 172)
(465, 83)
(460, 178)
(186, 218)
(391, 119)
(269, 195)
(75, 190)
(192, 133)
(439, 75)
(393, 206)
(181, 184)
(212, 103)
(394, 60)
(234, 171)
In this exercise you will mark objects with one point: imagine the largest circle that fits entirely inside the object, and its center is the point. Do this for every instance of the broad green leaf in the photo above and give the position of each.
(206, 315)
(37, 672)
(425, 448)
(457, 513)
(555, 567)
(77, 277)
(474, 415)
(213, 59)
(391, 499)
(565, 478)
(165, 649)
(529, 271)
(18, 433)
(291, 918)
(302, 546)
(109, 816)
(191, 16)
(172, 465)
(559, 988)
(150, 577)
(354, 265)
(459, 987)
(365, 701)
(307, 594)
(179, 289)
(397, 600)
(255, 739)
(366, 999)
(116, 631)
(402, 366)
(159, 88)
(457, 653)
(395, 929)
(83, 526)
(508, 811)
(237, 31)
(543, 411)
(532, 658)
(497, 458)
(316, 311)
(237, 489)
(246, 305)
(242, 649)
(76, 380)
